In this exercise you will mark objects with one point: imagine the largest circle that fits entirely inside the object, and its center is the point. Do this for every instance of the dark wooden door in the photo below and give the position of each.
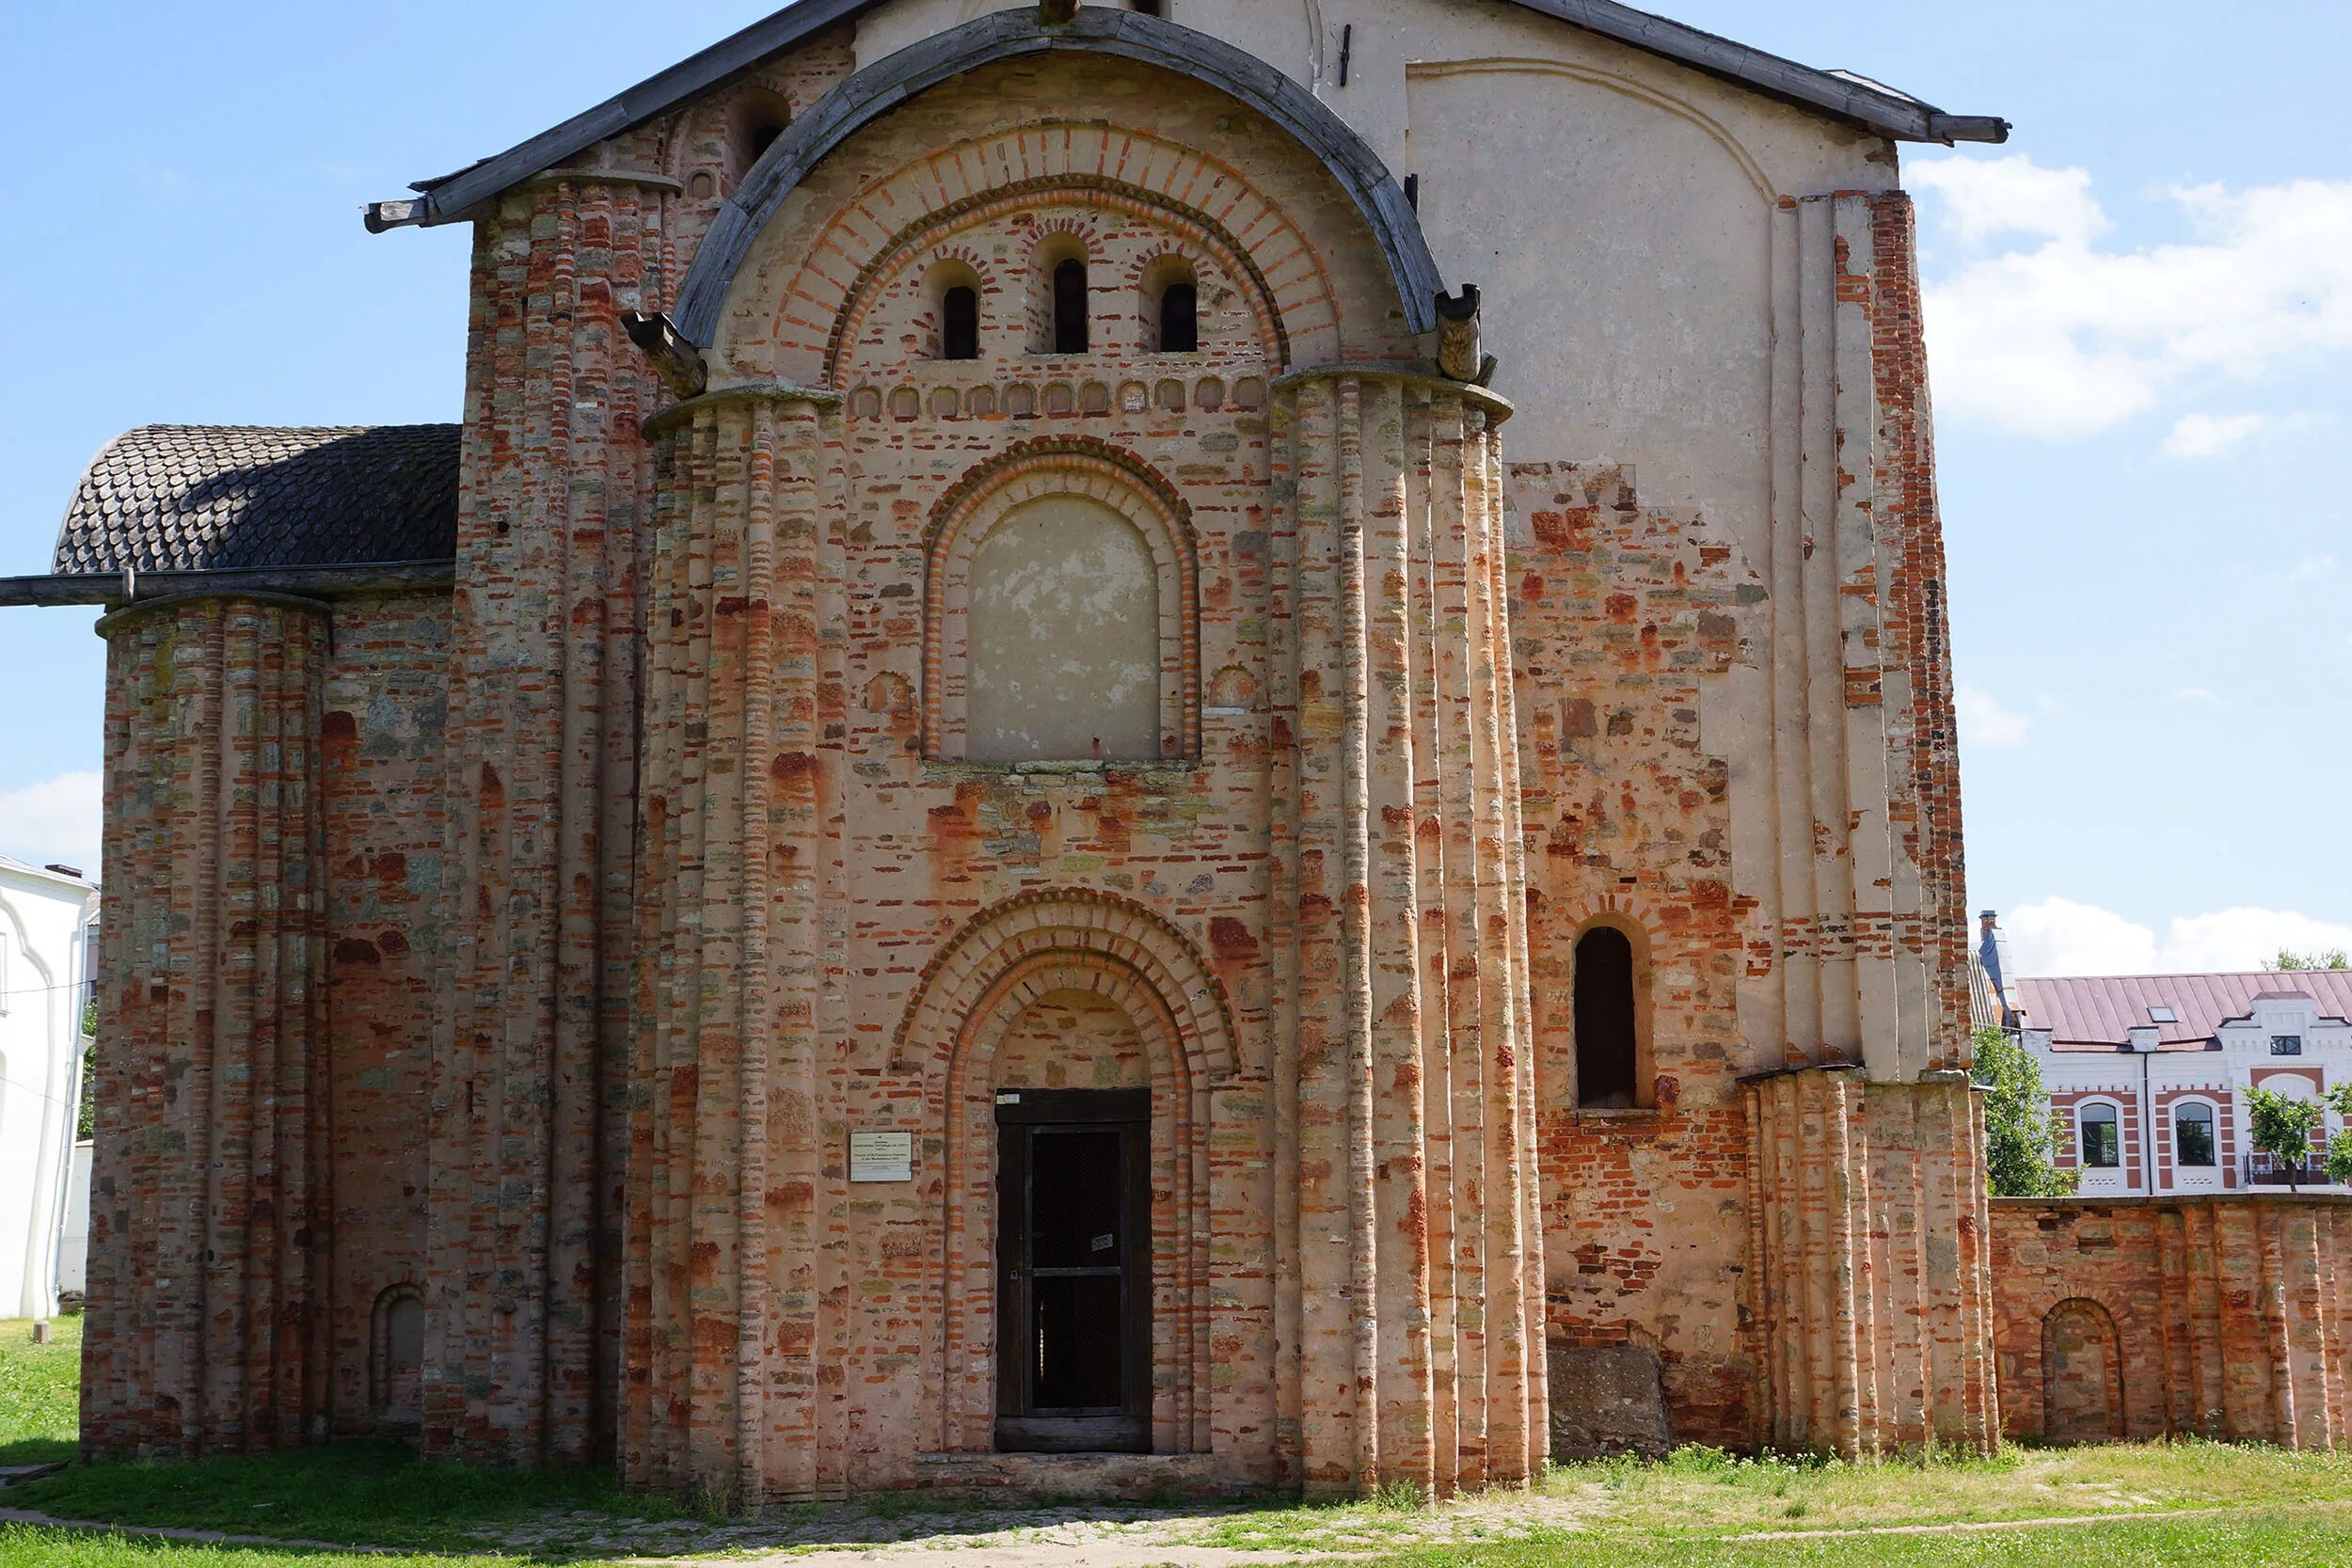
(1074, 1271)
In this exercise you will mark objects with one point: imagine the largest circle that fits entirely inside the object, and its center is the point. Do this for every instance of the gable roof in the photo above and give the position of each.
(231, 497)
(1841, 94)
(2098, 1012)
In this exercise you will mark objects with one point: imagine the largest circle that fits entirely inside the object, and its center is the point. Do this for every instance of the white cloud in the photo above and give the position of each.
(2311, 566)
(2065, 339)
(1983, 722)
(2195, 694)
(56, 819)
(1983, 196)
(2058, 936)
(2209, 434)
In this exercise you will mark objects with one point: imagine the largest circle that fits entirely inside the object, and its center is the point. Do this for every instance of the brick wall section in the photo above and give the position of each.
(1919, 624)
(535, 975)
(210, 1266)
(1621, 613)
(383, 820)
(2222, 1316)
(1870, 1298)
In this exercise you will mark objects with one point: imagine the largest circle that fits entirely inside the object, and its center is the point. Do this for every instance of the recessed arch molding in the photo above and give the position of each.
(1095, 30)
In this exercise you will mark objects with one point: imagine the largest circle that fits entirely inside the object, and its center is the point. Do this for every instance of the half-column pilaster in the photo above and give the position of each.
(726, 1388)
(1407, 1075)
(531, 1042)
(206, 1329)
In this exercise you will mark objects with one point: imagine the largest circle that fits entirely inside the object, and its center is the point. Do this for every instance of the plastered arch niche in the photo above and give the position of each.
(1062, 659)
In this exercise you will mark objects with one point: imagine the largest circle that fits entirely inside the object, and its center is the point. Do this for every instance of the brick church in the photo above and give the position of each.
(1197, 745)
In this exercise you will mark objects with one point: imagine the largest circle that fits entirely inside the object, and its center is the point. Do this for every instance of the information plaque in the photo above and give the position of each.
(881, 1156)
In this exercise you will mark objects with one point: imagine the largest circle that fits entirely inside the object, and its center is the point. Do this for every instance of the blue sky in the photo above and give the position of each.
(2141, 323)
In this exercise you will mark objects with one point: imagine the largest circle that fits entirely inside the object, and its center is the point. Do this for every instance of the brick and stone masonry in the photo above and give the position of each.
(2214, 1317)
(498, 972)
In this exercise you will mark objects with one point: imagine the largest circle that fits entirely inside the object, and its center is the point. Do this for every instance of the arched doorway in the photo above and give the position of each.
(1103, 1024)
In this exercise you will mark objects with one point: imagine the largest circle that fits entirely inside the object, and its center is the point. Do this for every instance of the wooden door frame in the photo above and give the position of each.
(1129, 1111)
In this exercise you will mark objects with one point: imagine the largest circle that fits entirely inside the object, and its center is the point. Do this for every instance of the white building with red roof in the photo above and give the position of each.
(2173, 1055)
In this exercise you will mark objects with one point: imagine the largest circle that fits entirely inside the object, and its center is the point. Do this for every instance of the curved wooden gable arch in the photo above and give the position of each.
(1009, 35)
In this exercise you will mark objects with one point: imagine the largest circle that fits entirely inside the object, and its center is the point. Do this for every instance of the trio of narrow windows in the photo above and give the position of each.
(1175, 309)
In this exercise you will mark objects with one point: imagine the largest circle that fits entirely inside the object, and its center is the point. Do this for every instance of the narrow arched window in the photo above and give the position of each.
(960, 323)
(1607, 1037)
(2192, 1135)
(1180, 319)
(1070, 306)
(2101, 1139)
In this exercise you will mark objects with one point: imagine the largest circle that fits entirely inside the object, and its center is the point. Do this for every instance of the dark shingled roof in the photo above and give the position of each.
(220, 498)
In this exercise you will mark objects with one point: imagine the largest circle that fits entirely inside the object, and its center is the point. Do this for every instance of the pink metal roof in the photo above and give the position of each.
(2098, 1012)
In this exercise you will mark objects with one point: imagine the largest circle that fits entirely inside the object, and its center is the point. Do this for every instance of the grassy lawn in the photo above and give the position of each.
(2185, 1503)
(40, 1390)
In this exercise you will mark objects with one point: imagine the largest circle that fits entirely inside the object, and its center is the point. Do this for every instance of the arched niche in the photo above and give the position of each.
(1105, 505)
(2082, 1375)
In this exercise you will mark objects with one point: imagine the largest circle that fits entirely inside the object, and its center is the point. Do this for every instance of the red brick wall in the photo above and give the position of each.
(385, 824)
(2230, 1317)
(1619, 615)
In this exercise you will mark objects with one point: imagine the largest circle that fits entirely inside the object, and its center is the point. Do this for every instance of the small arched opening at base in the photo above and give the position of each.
(1609, 999)
(396, 1359)
(2082, 1375)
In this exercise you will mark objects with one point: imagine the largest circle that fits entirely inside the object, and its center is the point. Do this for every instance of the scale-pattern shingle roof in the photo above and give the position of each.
(221, 498)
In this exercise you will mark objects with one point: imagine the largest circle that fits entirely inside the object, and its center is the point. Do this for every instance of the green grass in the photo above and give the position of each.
(2240, 1504)
(40, 1392)
(366, 1494)
(2272, 1539)
(29, 1547)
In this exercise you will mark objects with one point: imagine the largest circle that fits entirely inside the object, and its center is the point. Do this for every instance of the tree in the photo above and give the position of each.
(2282, 1128)
(2288, 959)
(2340, 1146)
(2016, 1121)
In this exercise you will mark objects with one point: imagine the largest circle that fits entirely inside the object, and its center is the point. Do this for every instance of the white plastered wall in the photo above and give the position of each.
(40, 995)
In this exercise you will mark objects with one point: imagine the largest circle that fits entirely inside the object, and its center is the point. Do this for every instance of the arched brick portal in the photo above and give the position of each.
(989, 977)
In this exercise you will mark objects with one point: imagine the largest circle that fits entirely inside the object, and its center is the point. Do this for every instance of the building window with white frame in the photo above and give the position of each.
(2193, 1135)
(2100, 1137)
(2286, 1045)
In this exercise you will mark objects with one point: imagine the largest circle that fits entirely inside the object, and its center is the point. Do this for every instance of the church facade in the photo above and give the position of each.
(1004, 801)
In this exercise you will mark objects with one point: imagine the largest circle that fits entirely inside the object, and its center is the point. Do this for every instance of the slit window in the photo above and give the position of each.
(960, 323)
(2101, 1139)
(1180, 319)
(1605, 1026)
(1070, 306)
(2192, 1135)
